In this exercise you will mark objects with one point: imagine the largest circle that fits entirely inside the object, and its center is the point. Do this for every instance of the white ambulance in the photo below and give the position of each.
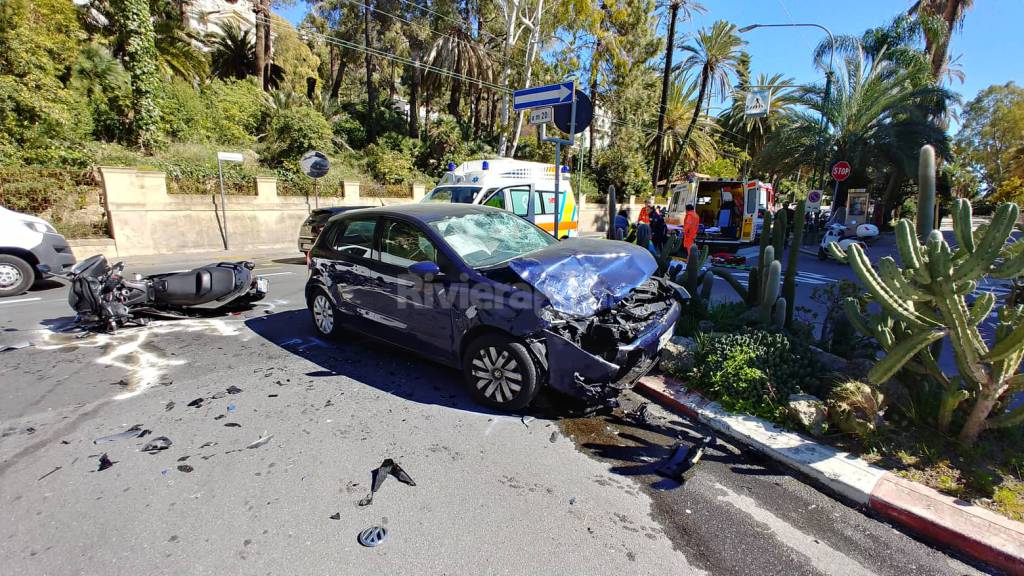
(526, 189)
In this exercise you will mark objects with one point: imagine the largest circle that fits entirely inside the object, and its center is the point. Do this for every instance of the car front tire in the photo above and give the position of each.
(326, 317)
(16, 275)
(500, 372)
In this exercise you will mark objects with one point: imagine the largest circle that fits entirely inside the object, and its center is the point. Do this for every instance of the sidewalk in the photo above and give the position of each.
(946, 521)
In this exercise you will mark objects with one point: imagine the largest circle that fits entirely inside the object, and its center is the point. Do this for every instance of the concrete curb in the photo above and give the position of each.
(956, 524)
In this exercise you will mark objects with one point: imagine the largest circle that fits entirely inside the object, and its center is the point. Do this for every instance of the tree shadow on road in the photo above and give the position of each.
(389, 369)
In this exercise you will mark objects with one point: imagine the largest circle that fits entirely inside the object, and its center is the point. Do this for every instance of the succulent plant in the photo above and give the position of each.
(925, 300)
(643, 235)
(789, 284)
(613, 233)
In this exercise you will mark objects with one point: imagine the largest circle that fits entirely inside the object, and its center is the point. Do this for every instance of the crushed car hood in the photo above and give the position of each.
(582, 276)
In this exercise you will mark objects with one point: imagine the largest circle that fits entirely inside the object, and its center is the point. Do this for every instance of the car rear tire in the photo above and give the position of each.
(16, 275)
(500, 372)
(326, 317)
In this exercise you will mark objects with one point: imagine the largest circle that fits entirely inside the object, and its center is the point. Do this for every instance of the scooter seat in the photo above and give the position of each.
(196, 287)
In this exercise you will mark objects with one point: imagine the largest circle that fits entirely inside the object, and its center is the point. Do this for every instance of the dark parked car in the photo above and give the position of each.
(316, 221)
(484, 290)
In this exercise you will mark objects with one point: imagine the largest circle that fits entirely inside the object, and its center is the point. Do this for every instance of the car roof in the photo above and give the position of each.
(423, 212)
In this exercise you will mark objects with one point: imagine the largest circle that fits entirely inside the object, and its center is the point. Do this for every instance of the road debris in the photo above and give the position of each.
(263, 440)
(185, 468)
(233, 389)
(526, 420)
(335, 516)
(572, 501)
(195, 403)
(387, 467)
(15, 346)
(231, 407)
(373, 536)
(169, 406)
(48, 473)
(641, 414)
(232, 425)
(133, 432)
(157, 444)
(105, 462)
(682, 460)
(554, 437)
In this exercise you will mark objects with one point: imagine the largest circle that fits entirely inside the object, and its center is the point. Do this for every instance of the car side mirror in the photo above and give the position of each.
(425, 269)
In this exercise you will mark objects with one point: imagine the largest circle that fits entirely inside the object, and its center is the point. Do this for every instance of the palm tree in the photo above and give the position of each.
(177, 50)
(678, 110)
(233, 55)
(940, 19)
(716, 53)
(880, 114)
(460, 54)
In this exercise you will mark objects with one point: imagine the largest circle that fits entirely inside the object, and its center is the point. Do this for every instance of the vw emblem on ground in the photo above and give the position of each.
(373, 536)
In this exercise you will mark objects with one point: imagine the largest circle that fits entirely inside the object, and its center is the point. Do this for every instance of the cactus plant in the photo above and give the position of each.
(666, 252)
(789, 284)
(643, 235)
(925, 301)
(779, 232)
(926, 191)
(613, 233)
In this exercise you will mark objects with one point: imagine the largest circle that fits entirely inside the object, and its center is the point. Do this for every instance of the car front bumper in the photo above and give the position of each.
(55, 254)
(576, 372)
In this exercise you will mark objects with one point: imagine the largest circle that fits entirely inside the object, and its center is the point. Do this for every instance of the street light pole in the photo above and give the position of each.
(819, 175)
(659, 144)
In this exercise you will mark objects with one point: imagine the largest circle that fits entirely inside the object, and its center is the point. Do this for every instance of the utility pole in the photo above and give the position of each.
(371, 92)
(669, 45)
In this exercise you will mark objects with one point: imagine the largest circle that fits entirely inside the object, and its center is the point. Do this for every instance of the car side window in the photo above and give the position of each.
(497, 200)
(520, 198)
(403, 244)
(355, 237)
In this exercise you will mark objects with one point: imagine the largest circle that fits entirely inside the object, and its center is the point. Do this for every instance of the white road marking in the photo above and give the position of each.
(826, 559)
(19, 300)
(276, 274)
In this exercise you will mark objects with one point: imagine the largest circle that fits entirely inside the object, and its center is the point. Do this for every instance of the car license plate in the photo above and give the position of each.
(663, 341)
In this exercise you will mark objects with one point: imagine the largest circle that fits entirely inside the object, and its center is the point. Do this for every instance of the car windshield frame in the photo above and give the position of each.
(488, 239)
(457, 194)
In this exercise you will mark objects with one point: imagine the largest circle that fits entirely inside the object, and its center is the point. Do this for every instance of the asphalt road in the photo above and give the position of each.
(494, 494)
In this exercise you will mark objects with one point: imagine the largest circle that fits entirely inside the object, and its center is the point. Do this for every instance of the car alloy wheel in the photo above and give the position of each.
(499, 376)
(10, 276)
(323, 314)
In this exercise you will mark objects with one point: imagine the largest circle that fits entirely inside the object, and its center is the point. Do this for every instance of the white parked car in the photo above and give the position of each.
(30, 249)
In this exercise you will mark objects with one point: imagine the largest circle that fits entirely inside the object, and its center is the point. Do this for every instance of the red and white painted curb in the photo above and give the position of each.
(956, 524)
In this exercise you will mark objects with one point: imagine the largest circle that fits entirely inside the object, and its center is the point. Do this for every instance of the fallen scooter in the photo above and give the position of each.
(866, 235)
(105, 300)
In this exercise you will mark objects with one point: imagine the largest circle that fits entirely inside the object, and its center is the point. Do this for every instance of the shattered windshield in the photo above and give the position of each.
(491, 238)
(456, 194)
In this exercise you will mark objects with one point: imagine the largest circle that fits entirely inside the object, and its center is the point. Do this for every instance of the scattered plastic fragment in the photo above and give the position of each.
(387, 467)
(219, 416)
(263, 440)
(373, 536)
(169, 406)
(132, 432)
(641, 414)
(48, 473)
(145, 432)
(336, 516)
(231, 407)
(233, 389)
(526, 420)
(271, 395)
(185, 468)
(554, 437)
(683, 459)
(157, 444)
(196, 403)
(105, 462)
(232, 425)
(572, 501)
(15, 346)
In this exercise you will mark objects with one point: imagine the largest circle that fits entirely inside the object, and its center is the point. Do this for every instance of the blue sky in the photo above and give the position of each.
(991, 43)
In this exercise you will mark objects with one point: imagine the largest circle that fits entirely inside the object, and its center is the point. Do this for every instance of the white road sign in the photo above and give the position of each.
(757, 103)
(542, 115)
(550, 95)
(813, 200)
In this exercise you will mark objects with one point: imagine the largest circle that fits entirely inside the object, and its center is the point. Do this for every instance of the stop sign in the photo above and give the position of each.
(841, 170)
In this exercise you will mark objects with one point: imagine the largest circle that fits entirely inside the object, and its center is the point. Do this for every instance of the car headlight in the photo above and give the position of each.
(38, 226)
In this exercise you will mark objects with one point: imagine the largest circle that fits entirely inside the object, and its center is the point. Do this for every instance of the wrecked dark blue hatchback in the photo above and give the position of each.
(483, 290)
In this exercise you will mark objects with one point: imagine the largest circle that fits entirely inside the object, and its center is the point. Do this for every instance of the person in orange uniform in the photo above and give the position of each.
(645, 212)
(691, 222)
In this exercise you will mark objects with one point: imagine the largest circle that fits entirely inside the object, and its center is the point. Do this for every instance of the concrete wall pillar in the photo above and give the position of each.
(350, 191)
(418, 191)
(266, 189)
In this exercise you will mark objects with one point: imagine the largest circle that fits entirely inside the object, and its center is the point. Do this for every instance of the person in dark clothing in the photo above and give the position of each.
(659, 230)
(622, 222)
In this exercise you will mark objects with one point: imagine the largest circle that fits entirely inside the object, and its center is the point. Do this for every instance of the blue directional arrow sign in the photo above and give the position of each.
(550, 95)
